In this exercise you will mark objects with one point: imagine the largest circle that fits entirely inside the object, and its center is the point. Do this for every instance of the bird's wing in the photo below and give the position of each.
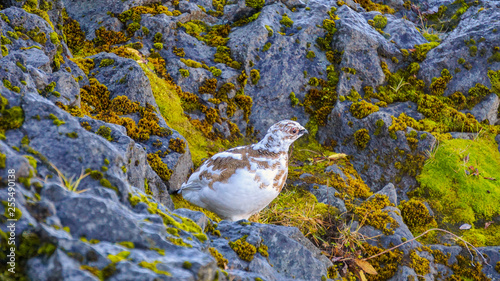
(219, 168)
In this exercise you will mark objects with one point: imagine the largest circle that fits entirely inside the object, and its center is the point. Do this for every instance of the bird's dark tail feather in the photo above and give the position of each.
(174, 192)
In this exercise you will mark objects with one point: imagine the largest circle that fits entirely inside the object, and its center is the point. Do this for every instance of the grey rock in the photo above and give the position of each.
(404, 273)
(137, 88)
(401, 233)
(487, 109)
(326, 194)
(390, 191)
(198, 217)
(336, 170)
(404, 33)
(302, 260)
(305, 175)
(470, 27)
(375, 163)
(363, 48)
(58, 267)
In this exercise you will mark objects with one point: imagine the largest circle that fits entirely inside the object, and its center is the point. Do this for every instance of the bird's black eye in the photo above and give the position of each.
(294, 131)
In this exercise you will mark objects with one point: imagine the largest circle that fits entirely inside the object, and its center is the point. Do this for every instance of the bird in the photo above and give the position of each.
(241, 181)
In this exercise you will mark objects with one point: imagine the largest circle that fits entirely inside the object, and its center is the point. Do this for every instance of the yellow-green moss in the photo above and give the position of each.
(255, 76)
(286, 20)
(421, 51)
(169, 103)
(121, 256)
(257, 4)
(419, 264)
(221, 261)
(153, 267)
(375, 216)
(245, 250)
(438, 86)
(361, 138)
(106, 62)
(191, 63)
(451, 187)
(362, 109)
(159, 167)
(386, 265)
(104, 132)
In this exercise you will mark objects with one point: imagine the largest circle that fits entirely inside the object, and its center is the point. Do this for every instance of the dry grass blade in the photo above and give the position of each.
(366, 266)
(69, 183)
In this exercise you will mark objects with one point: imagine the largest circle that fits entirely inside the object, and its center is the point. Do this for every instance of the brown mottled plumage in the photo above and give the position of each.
(241, 181)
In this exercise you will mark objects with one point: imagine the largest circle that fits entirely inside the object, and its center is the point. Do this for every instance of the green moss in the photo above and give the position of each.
(54, 38)
(421, 51)
(310, 55)
(153, 267)
(361, 138)
(5, 50)
(467, 269)
(106, 62)
(104, 132)
(221, 261)
(72, 135)
(270, 31)
(375, 216)
(133, 200)
(191, 63)
(245, 250)
(169, 103)
(379, 21)
(473, 51)
(127, 244)
(294, 100)
(419, 264)
(257, 4)
(286, 20)
(8, 213)
(438, 86)
(55, 120)
(362, 109)
(184, 72)
(158, 46)
(4, 18)
(244, 103)
(4, 40)
(255, 76)
(121, 256)
(159, 167)
(416, 216)
(266, 46)
(452, 189)
(187, 265)
(431, 37)
(37, 36)
(104, 182)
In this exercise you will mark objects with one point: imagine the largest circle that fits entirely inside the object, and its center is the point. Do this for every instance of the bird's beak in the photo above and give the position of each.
(303, 132)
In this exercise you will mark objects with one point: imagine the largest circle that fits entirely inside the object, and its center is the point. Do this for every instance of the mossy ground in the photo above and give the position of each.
(460, 181)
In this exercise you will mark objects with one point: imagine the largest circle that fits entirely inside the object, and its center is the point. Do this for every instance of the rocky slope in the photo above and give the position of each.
(106, 106)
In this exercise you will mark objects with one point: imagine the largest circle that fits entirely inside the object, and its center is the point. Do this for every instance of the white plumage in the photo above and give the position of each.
(241, 181)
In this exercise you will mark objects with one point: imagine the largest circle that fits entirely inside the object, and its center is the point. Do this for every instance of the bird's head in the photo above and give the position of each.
(281, 135)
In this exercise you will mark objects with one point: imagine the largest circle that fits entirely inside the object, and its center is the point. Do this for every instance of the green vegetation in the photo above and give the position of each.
(286, 20)
(459, 180)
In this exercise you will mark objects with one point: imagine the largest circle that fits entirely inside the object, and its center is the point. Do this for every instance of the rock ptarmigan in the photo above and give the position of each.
(241, 181)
